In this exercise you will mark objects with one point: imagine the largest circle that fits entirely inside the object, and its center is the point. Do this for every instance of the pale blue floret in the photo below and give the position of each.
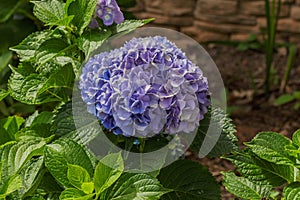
(109, 12)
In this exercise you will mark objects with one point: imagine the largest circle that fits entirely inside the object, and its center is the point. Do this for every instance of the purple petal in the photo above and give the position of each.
(93, 23)
(108, 19)
(118, 17)
(165, 103)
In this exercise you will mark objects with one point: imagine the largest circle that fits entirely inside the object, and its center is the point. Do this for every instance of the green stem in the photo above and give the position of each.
(289, 65)
(142, 144)
(272, 15)
(267, 46)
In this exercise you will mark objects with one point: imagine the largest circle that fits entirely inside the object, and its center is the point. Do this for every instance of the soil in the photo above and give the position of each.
(250, 108)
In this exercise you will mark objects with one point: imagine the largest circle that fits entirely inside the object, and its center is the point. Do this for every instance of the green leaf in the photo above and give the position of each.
(214, 144)
(243, 46)
(296, 138)
(24, 84)
(3, 94)
(271, 147)
(0, 171)
(39, 118)
(31, 118)
(77, 175)
(57, 164)
(15, 155)
(51, 12)
(5, 59)
(296, 94)
(88, 187)
(13, 184)
(4, 136)
(8, 8)
(294, 151)
(12, 123)
(38, 197)
(188, 180)
(63, 152)
(87, 126)
(50, 49)
(9, 127)
(244, 188)
(83, 11)
(63, 78)
(296, 105)
(40, 131)
(30, 174)
(92, 40)
(49, 186)
(63, 122)
(26, 49)
(31, 88)
(260, 171)
(130, 25)
(74, 194)
(60, 84)
(136, 186)
(25, 89)
(37, 125)
(108, 171)
(283, 99)
(292, 191)
(64, 60)
(201, 133)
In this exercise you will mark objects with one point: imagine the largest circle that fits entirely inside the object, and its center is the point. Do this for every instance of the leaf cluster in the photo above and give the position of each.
(38, 164)
(269, 161)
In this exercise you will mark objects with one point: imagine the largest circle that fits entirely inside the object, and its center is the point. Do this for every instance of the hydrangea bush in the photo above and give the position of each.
(141, 89)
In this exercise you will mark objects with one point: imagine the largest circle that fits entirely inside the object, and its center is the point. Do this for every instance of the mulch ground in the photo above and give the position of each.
(250, 108)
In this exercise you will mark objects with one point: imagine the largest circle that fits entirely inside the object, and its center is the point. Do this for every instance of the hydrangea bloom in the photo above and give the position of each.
(109, 12)
(145, 87)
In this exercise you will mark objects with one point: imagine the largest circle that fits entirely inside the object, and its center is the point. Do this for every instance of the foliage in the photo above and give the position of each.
(16, 22)
(28, 161)
(270, 160)
(272, 14)
(226, 142)
(251, 43)
(187, 179)
(290, 61)
(287, 98)
(42, 153)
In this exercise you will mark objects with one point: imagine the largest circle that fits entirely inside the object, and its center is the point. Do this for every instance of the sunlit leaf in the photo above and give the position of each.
(244, 188)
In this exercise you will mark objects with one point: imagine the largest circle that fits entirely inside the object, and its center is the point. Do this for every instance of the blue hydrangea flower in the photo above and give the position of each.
(145, 87)
(109, 12)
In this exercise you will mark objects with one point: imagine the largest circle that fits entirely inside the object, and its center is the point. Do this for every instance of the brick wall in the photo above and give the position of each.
(207, 20)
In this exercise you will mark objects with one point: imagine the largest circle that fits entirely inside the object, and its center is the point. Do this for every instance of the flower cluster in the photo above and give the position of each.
(145, 87)
(109, 12)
